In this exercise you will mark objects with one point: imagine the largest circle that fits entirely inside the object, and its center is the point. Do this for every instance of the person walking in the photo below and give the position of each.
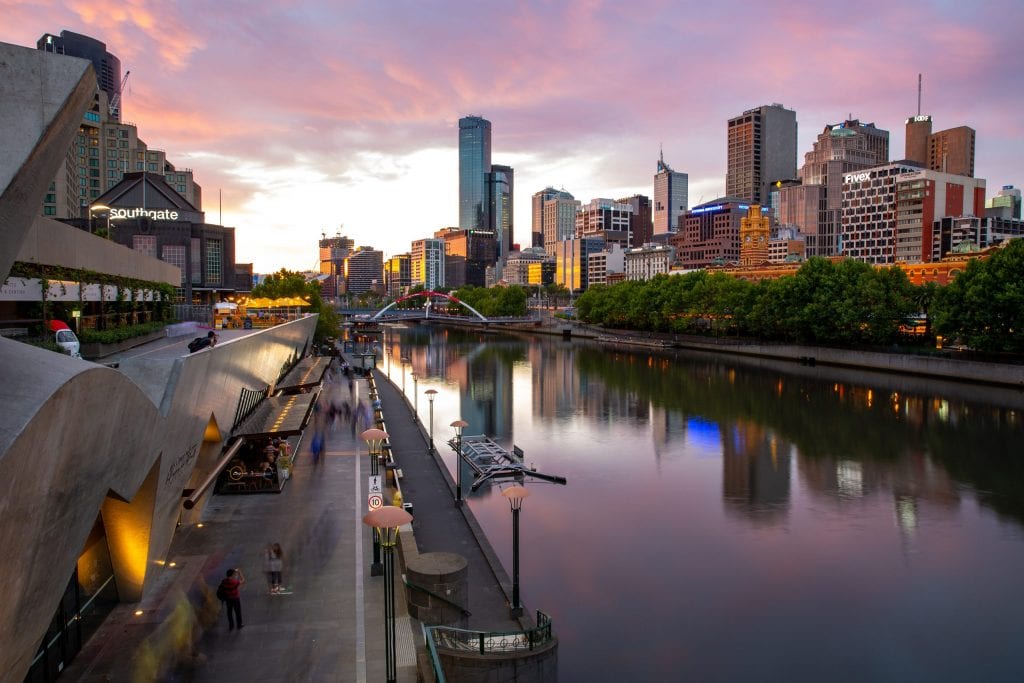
(276, 564)
(229, 588)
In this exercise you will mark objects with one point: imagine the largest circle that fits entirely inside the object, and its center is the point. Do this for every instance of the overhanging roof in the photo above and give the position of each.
(307, 373)
(278, 416)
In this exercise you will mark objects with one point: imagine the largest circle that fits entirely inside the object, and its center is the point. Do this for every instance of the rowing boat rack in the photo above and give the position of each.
(489, 461)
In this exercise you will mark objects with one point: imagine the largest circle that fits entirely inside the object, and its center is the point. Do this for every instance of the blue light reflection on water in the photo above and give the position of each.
(765, 527)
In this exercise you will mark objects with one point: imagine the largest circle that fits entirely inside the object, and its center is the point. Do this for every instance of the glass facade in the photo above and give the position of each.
(175, 255)
(499, 187)
(474, 165)
(214, 262)
(145, 244)
(197, 261)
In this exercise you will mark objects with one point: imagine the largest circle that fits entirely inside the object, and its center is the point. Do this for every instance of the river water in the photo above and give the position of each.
(744, 521)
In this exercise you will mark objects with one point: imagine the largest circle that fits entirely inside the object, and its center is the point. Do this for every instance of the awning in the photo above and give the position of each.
(307, 373)
(277, 416)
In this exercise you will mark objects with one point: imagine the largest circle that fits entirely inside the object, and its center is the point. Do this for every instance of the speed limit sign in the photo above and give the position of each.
(374, 501)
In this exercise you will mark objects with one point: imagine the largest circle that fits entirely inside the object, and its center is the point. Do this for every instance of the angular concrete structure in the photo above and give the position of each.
(84, 446)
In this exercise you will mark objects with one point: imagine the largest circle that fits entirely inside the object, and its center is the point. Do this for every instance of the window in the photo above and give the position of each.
(197, 261)
(145, 244)
(175, 255)
(214, 261)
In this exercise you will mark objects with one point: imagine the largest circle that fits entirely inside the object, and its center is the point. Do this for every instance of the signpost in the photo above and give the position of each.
(375, 497)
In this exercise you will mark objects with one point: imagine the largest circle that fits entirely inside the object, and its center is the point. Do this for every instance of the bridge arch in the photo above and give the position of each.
(430, 293)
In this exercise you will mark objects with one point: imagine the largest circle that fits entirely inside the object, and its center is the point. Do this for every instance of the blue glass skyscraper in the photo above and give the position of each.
(474, 166)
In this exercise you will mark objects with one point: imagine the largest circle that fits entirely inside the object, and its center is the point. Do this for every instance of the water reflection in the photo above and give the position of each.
(811, 520)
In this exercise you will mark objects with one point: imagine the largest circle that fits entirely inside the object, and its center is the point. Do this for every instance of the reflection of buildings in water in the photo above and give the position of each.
(755, 472)
(487, 401)
(668, 429)
(555, 380)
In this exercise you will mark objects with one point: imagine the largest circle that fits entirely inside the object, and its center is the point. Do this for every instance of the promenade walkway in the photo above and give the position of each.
(330, 626)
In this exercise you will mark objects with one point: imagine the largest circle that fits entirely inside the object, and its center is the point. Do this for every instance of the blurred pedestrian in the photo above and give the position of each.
(229, 592)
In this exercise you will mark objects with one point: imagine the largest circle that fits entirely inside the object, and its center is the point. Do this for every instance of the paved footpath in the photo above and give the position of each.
(330, 626)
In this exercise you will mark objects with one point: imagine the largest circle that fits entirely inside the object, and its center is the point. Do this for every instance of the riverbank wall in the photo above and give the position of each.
(944, 368)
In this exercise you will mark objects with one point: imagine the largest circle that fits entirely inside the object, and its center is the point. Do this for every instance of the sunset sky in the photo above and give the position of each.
(309, 116)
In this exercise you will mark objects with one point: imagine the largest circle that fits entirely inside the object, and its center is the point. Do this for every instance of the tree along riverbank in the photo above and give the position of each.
(939, 367)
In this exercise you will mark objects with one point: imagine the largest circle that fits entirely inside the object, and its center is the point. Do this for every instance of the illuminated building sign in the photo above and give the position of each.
(921, 118)
(856, 177)
(155, 214)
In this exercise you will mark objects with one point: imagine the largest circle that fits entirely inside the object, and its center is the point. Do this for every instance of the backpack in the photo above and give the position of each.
(222, 592)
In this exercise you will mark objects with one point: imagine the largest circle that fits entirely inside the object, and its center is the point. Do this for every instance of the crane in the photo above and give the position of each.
(116, 99)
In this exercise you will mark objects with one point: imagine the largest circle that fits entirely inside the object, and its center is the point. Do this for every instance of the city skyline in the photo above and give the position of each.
(310, 121)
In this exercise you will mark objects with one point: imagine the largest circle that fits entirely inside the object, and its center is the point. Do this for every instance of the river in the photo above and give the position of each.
(730, 520)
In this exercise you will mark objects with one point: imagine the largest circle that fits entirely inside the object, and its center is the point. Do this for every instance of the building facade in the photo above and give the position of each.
(333, 252)
(106, 65)
(869, 213)
(786, 244)
(474, 165)
(604, 218)
(1005, 204)
(968, 234)
(559, 220)
(761, 149)
(947, 151)
(500, 196)
(572, 261)
(670, 198)
(467, 256)
(364, 271)
(841, 149)
(641, 223)
(643, 263)
(924, 196)
(604, 265)
(755, 231)
(710, 234)
(398, 275)
(427, 263)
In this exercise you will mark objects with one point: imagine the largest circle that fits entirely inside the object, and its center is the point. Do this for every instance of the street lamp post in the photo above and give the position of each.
(431, 393)
(415, 395)
(99, 207)
(404, 361)
(374, 438)
(459, 425)
(515, 495)
(385, 522)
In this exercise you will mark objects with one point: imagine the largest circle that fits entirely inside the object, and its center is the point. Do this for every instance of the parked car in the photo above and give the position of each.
(65, 338)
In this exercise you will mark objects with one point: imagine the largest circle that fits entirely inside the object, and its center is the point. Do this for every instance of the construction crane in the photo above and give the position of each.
(116, 99)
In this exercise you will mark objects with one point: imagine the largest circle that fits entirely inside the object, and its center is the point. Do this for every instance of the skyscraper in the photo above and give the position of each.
(841, 149)
(559, 219)
(500, 195)
(670, 197)
(106, 65)
(761, 150)
(474, 167)
(947, 151)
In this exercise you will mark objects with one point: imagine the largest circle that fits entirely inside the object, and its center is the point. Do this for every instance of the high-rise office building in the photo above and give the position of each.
(761, 150)
(106, 65)
(924, 196)
(474, 166)
(869, 213)
(467, 256)
(500, 196)
(427, 263)
(364, 271)
(559, 219)
(947, 151)
(605, 219)
(537, 214)
(641, 224)
(398, 275)
(670, 197)
(105, 149)
(333, 252)
(841, 149)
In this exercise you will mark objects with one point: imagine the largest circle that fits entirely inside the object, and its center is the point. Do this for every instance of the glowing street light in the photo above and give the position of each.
(385, 522)
(374, 438)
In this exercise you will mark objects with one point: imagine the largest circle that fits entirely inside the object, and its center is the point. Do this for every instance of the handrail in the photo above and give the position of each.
(432, 656)
(492, 642)
(465, 612)
(191, 501)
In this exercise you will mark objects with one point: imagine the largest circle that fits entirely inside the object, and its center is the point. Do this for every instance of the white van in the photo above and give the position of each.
(67, 340)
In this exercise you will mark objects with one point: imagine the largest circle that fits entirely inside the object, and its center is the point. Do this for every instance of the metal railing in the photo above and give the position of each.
(465, 612)
(483, 642)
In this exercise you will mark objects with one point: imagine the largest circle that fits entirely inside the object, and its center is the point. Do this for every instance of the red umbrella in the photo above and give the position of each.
(58, 325)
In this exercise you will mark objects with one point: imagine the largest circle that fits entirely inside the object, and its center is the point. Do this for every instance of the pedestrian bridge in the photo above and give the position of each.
(391, 313)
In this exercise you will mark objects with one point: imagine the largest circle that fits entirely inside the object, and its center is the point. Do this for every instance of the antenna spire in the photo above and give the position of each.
(918, 94)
